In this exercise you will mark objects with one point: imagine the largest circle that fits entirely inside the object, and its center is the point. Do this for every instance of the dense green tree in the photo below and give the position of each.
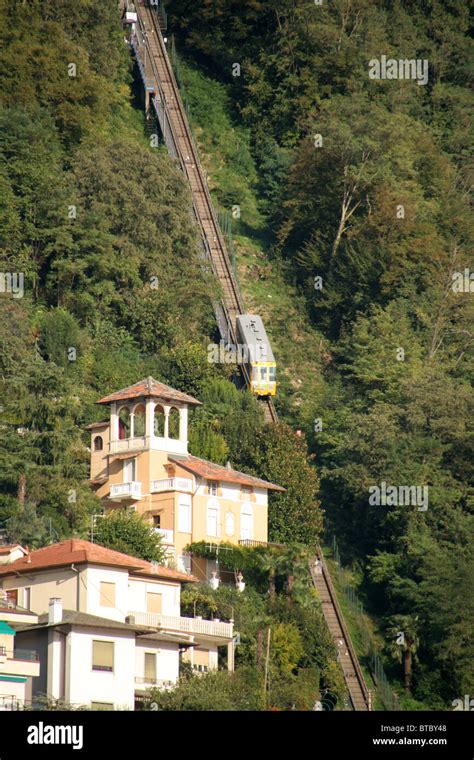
(127, 532)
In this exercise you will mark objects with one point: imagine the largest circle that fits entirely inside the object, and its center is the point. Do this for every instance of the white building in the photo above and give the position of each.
(109, 624)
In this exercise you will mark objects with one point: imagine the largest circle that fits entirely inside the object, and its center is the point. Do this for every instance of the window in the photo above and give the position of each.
(212, 487)
(11, 595)
(263, 373)
(184, 513)
(246, 522)
(103, 655)
(27, 598)
(98, 443)
(107, 594)
(156, 521)
(201, 660)
(173, 423)
(154, 602)
(129, 470)
(139, 421)
(159, 421)
(212, 521)
(246, 493)
(272, 371)
(124, 423)
(229, 524)
(150, 667)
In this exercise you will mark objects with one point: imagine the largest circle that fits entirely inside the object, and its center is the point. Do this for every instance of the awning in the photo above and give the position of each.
(5, 628)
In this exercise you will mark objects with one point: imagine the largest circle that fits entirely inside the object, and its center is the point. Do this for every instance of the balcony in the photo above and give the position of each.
(159, 683)
(127, 444)
(20, 662)
(167, 536)
(132, 490)
(171, 484)
(191, 626)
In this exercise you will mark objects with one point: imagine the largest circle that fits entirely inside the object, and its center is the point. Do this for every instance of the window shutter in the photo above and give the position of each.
(107, 594)
(154, 602)
(103, 655)
(150, 667)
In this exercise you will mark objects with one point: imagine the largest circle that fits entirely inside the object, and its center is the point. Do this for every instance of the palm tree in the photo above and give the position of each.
(403, 644)
(268, 561)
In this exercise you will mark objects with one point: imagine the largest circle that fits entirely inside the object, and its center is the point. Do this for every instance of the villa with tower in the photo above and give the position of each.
(140, 461)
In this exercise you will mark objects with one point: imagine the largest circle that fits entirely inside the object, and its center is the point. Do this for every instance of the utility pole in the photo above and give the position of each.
(267, 658)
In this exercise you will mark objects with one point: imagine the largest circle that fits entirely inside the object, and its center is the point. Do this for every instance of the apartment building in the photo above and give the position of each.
(140, 461)
(109, 625)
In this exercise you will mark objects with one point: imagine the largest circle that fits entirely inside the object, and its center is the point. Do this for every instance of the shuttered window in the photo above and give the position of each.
(246, 522)
(103, 655)
(154, 602)
(107, 594)
(184, 513)
(150, 667)
(212, 521)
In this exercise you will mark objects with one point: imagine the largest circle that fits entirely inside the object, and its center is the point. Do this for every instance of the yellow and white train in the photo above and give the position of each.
(259, 359)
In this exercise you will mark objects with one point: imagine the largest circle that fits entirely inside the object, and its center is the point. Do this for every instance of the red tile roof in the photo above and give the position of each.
(212, 471)
(78, 551)
(150, 388)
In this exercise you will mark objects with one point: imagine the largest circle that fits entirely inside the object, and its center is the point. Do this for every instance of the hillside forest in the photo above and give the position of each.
(353, 241)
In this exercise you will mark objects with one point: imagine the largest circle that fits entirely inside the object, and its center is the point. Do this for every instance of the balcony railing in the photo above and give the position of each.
(132, 490)
(192, 626)
(171, 484)
(251, 543)
(127, 444)
(159, 683)
(167, 535)
(28, 655)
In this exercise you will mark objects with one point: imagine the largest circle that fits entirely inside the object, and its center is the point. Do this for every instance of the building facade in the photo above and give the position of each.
(109, 625)
(18, 666)
(140, 461)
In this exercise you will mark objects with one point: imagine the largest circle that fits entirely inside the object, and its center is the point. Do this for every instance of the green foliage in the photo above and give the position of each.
(27, 529)
(43, 702)
(282, 457)
(287, 647)
(381, 356)
(58, 333)
(127, 532)
(214, 691)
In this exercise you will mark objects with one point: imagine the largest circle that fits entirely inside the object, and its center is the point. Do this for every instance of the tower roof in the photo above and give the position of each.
(149, 387)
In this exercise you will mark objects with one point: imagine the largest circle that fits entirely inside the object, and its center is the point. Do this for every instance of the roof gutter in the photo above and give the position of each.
(78, 588)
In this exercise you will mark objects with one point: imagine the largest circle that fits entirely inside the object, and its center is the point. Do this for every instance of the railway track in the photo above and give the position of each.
(160, 83)
(358, 692)
(159, 79)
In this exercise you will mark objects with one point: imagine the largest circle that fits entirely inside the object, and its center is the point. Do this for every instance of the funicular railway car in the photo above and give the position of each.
(258, 354)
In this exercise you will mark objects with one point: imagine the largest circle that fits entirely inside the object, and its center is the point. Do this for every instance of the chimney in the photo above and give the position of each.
(55, 611)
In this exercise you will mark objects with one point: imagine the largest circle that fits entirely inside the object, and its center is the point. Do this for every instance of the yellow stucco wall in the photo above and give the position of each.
(60, 582)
